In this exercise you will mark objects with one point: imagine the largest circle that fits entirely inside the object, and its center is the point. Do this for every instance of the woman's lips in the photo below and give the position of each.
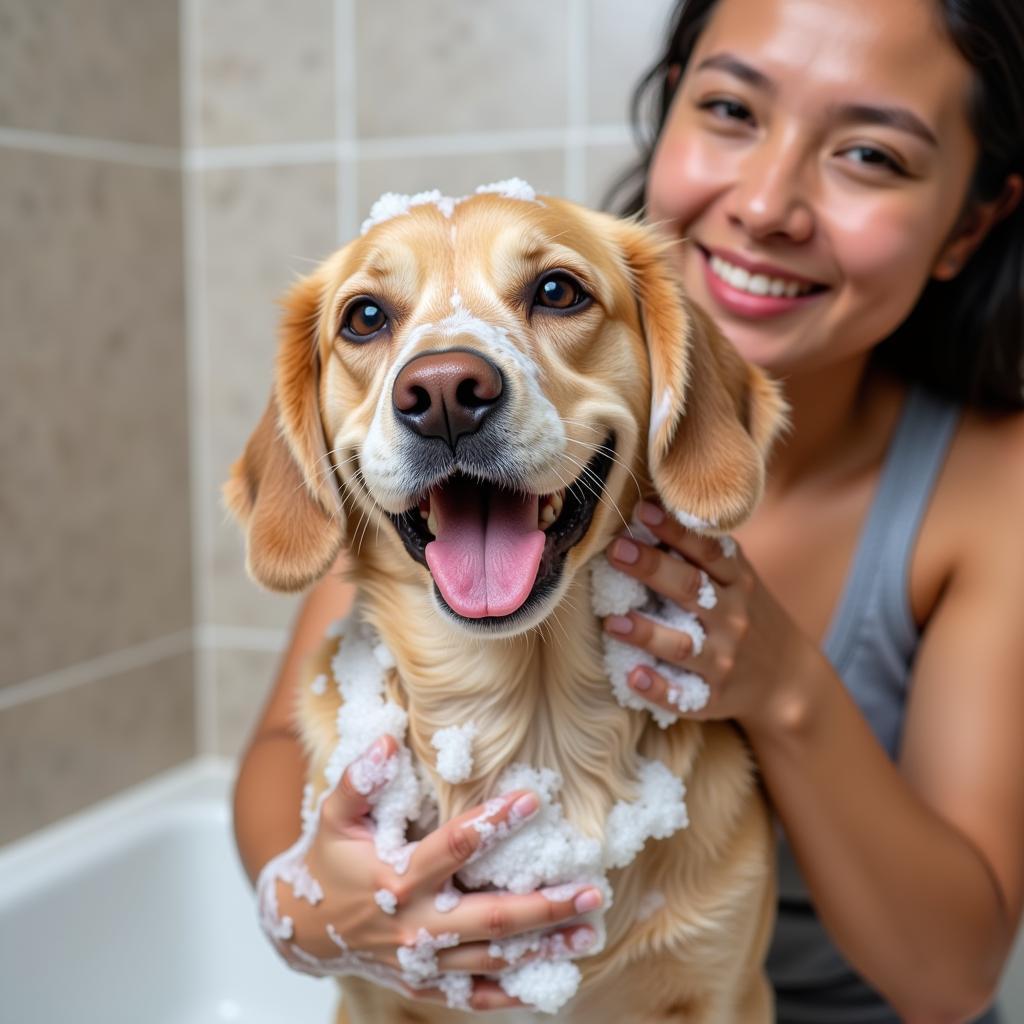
(746, 304)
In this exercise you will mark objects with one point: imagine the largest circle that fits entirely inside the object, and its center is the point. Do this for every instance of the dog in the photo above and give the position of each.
(470, 398)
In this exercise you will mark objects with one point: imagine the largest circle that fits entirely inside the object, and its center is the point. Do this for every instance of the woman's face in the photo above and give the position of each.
(815, 161)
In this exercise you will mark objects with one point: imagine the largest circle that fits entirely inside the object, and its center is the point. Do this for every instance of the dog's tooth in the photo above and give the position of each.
(556, 503)
(547, 516)
(432, 521)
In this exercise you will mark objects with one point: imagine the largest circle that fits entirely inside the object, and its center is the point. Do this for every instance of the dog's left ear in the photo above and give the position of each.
(282, 489)
(713, 415)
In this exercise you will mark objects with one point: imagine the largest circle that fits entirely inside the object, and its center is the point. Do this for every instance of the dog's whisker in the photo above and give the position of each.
(610, 452)
(599, 494)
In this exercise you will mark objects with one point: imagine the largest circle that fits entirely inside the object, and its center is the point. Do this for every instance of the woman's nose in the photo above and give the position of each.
(771, 195)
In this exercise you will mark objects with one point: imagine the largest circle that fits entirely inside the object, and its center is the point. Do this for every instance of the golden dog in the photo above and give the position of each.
(454, 392)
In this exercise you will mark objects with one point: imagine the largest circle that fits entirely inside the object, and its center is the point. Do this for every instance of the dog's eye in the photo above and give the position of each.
(362, 320)
(561, 292)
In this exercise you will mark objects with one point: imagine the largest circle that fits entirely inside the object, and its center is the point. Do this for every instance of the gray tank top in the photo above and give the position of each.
(871, 643)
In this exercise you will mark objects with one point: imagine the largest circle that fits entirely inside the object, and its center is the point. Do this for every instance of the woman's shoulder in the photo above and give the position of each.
(982, 489)
(972, 531)
(990, 447)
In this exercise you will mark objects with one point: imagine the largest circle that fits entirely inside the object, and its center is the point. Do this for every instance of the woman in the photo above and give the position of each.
(844, 177)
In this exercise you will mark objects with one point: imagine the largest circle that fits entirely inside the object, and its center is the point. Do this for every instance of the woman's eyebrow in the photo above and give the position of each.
(845, 113)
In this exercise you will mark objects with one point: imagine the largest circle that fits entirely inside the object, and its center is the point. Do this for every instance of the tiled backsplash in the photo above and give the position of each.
(167, 171)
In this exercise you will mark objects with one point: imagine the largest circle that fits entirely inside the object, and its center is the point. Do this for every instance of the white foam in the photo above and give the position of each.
(454, 746)
(706, 597)
(419, 961)
(448, 898)
(615, 593)
(546, 985)
(386, 900)
(395, 204)
(510, 188)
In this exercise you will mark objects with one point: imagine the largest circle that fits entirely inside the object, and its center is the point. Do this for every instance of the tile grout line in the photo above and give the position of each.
(205, 158)
(97, 669)
(139, 154)
(204, 702)
(346, 171)
(576, 70)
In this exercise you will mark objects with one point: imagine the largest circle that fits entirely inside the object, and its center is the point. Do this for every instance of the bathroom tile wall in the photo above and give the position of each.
(168, 170)
(96, 616)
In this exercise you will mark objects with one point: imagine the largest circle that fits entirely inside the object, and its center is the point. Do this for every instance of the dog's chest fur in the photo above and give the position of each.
(543, 699)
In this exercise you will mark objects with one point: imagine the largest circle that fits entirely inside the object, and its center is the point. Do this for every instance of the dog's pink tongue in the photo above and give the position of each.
(485, 557)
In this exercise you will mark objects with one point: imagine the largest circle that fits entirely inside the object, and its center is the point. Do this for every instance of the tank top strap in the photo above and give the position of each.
(880, 571)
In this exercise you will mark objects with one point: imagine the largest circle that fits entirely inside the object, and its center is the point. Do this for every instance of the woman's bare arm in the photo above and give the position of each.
(268, 791)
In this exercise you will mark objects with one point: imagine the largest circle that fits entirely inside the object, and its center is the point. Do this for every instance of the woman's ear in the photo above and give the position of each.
(283, 490)
(973, 227)
(713, 415)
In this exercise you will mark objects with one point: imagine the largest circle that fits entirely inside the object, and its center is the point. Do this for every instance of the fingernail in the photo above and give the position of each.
(582, 939)
(378, 752)
(525, 807)
(621, 624)
(641, 680)
(625, 551)
(650, 514)
(589, 900)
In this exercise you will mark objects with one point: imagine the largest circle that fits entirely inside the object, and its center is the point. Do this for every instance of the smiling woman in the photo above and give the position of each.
(844, 182)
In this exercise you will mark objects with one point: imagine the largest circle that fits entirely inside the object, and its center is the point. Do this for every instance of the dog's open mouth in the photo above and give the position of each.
(494, 551)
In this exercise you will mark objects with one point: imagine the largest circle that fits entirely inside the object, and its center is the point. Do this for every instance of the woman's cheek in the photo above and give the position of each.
(685, 176)
(885, 252)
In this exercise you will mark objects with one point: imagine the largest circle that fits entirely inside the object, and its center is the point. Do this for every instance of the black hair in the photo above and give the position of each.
(964, 338)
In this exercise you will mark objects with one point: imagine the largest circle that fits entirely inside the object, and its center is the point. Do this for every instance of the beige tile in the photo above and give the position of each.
(624, 39)
(432, 66)
(605, 165)
(266, 71)
(264, 227)
(94, 498)
(59, 754)
(103, 70)
(243, 681)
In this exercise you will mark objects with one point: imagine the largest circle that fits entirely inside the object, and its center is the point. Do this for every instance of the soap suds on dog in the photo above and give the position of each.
(454, 746)
(395, 204)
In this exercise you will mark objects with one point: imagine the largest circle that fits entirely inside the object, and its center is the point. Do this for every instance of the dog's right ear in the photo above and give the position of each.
(283, 490)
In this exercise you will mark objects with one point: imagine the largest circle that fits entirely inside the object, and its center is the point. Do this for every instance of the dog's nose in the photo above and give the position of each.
(447, 394)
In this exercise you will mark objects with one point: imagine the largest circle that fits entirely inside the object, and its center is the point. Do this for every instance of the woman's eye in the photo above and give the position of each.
(560, 291)
(727, 110)
(363, 320)
(871, 157)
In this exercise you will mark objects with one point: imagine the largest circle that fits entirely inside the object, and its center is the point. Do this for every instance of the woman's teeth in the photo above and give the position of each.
(756, 284)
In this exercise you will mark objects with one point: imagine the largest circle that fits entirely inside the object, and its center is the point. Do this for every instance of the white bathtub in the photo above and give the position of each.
(138, 911)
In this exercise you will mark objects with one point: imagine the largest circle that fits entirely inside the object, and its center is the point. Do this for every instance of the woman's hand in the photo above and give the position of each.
(753, 651)
(343, 860)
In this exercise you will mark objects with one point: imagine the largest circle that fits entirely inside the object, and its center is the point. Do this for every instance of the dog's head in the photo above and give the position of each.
(495, 379)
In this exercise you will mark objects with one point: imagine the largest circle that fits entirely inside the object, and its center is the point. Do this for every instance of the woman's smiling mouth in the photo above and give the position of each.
(754, 291)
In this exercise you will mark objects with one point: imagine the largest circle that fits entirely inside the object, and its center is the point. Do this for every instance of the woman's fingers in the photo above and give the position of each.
(484, 958)
(491, 916)
(669, 575)
(345, 808)
(715, 555)
(439, 855)
(486, 995)
(664, 642)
